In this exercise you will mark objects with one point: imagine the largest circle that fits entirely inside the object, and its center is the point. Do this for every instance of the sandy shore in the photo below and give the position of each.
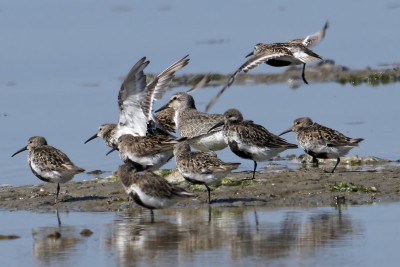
(306, 186)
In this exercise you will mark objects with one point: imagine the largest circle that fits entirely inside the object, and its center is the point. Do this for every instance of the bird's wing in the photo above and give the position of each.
(253, 62)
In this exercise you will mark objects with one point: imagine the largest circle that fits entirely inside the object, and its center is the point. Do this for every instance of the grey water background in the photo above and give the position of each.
(61, 66)
(267, 236)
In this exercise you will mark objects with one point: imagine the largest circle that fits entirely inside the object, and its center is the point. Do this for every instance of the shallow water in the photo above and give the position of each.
(61, 67)
(61, 79)
(328, 236)
(348, 109)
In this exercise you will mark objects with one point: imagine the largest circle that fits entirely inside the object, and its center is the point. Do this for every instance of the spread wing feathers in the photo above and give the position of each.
(206, 79)
(304, 54)
(313, 39)
(157, 88)
(132, 120)
(253, 62)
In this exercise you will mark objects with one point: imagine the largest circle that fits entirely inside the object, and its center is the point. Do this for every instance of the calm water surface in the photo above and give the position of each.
(328, 236)
(363, 111)
(61, 65)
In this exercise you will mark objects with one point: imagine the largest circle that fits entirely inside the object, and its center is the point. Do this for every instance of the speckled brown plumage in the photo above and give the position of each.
(294, 52)
(249, 140)
(48, 163)
(320, 141)
(150, 151)
(194, 124)
(166, 118)
(148, 189)
(201, 167)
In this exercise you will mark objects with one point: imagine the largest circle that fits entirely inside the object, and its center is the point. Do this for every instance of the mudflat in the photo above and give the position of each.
(305, 186)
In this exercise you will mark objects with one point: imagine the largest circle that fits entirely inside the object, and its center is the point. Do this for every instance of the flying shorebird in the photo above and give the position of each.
(293, 52)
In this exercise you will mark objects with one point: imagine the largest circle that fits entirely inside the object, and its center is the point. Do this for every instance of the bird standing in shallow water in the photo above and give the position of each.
(249, 140)
(201, 167)
(293, 52)
(48, 163)
(321, 142)
(148, 189)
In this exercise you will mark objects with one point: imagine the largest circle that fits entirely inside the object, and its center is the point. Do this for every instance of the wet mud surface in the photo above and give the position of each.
(306, 186)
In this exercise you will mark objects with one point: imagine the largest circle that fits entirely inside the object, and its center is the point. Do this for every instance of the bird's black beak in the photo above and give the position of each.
(91, 138)
(19, 151)
(216, 125)
(288, 130)
(112, 150)
(162, 108)
(252, 53)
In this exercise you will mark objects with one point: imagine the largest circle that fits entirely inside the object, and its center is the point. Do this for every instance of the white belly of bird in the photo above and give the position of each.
(258, 153)
(156, 160)
(209, 178)
(330, 151)
(53, 176)
(150, 201)
(213, 141)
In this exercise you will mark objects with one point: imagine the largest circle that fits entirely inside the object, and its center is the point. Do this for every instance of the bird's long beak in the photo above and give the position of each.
(288, 130)
(162, 108)
(216, 125)
(19, 151)
(252, 53)
(112, 150)
(91, 138)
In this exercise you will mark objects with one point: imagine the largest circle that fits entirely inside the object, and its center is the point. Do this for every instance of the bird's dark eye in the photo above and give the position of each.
(174, 98)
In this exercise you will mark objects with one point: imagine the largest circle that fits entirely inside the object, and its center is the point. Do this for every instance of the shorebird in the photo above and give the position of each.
(293, 52)
(107, 132)
(48, 163)
(249, 140)
(148, 189)
(151, 151)
(194, 124)
(321, 142)
(201, 167)
(166, 116)
(135, 101)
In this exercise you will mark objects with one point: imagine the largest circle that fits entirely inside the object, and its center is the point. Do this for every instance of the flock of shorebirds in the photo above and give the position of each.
(145, 140)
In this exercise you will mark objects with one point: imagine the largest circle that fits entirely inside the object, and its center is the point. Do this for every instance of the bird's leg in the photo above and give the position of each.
(254, 172)
(337, 162)
(209, 194)
(57, 192)
(315, 160)
(302, 74)
(152, 215)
